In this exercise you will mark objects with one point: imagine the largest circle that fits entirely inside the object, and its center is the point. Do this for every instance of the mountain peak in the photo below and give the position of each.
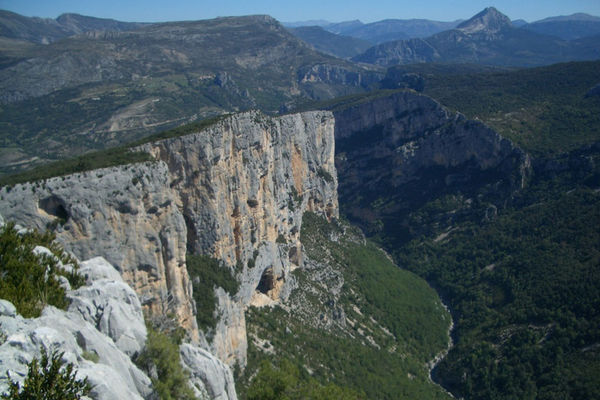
(489, 20)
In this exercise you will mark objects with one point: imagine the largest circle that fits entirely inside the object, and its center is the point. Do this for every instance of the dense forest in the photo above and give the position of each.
(523, 287)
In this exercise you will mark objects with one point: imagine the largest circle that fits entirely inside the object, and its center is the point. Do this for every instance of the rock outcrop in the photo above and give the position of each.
(112, 375)
(236, 191)
(104, 321)
(338, 75)
(110, 305)
(209, 376)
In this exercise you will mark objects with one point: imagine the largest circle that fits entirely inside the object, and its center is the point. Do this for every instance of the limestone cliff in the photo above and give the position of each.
(243, 185)
(236, 190)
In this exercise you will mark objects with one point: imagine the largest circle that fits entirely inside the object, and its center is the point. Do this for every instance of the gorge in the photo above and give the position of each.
(254, 219)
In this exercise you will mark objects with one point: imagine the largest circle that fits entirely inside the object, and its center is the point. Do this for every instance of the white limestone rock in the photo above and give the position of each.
(110, 305)
(98, 268)
(7, 309)
(114, 376)
(209, 376)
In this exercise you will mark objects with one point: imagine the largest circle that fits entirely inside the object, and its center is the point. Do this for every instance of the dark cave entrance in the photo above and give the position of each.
(55, 206)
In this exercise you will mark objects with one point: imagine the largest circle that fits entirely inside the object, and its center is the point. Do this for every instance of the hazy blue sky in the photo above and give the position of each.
(288, 11)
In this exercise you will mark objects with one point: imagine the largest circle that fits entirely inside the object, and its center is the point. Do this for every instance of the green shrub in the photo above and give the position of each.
(207, 273)
(160, 360)
(91, 356)
(321, 172)
(49, 379)
(281, 239)
(30, 281)
(288, 383)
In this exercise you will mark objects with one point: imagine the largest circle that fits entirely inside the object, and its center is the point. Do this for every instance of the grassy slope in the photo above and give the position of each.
(397, 310)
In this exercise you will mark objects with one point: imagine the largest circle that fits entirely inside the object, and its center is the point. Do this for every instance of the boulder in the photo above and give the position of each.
(112, 376)
(209, 376)
(110, 305)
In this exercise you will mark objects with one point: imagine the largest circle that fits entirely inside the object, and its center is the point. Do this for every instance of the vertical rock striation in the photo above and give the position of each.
(243, 185)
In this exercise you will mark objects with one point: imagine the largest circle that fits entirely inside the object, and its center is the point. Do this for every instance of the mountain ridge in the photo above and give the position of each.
(48, 30)
(487, 38)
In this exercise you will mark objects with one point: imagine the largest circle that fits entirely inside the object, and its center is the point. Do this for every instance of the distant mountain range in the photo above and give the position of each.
(381, 31)
(344, 45)
(47, 30)
(487, 38)
(567, 27)
(393, 29)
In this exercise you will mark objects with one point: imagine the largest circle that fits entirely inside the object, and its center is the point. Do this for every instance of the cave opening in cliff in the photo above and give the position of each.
(55, 206)
(267, 281)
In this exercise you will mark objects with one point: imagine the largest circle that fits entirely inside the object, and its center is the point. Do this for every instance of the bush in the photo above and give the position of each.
(288, 383)
(160, 360)
(49, 379)
(29, 280)
(207, 273)
(322, 173)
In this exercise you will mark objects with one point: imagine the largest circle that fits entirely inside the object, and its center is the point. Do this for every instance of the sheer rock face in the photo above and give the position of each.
(236, 190)
(243, 186)
(409, 132)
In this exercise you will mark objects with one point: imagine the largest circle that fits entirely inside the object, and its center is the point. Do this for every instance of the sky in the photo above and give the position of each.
(298, 10)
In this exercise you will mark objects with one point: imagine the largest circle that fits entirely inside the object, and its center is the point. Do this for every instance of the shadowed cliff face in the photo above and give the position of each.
(236, 191)
(396, 153)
